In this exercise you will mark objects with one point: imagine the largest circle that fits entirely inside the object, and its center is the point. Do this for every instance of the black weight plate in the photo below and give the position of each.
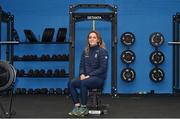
(157, 74)
(7, 75)
(128, 56)
(128, 74)
(128, 38)
(156, 39)
(157, 57)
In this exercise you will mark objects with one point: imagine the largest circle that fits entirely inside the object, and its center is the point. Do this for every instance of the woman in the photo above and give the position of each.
(92, 74)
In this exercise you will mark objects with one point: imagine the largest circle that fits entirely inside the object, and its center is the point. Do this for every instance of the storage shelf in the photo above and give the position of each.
(44, 43)
(41, 60)
(26, 76)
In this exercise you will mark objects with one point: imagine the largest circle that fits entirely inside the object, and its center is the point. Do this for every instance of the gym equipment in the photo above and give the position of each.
(61, 35)
(54, 57)
(56, 73)
(36, 73)
(23, 91)
(16, 58)
(29, 57)
(30, 73)
(49, 73)
(65, 57)
(128, 56)
(7, 71)
(156, 74)
(30, 91)
(62, 73)
(7, 76)
(128, 74)
(42, 73)
(59, 91)
(157, 57)
(18, 91)
(20, 73)
(45, 58)
(30, 36)
(128, 38)
(44, 91)
(95, 105)
(15, 35)
(176, 42)
(48, 35)
(59, 57)
(37, 91)
(110, 16)
(51, 91)
(156, 39)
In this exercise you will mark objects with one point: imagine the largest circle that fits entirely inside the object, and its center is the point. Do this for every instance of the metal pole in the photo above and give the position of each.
(94, 25)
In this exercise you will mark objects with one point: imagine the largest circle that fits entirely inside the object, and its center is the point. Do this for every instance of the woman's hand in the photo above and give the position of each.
(82, 77)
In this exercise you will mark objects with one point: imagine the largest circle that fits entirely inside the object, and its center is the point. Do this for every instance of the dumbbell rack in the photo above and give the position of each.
(48, 60)
(25, 75)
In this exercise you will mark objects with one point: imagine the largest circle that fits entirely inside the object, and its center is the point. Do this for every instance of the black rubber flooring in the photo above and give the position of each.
(123, 106)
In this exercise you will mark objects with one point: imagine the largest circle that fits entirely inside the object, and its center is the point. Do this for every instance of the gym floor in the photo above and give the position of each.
(123, 106)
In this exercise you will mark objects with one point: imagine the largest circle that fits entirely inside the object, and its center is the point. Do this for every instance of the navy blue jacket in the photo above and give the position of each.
(95, 63)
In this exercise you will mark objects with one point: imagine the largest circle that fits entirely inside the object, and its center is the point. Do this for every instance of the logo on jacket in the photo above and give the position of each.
(95, 55)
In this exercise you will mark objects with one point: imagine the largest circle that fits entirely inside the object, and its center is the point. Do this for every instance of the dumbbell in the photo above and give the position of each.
(34, 57)
(56, 73)
(37, 91)
(36, 73)
(16, 58)
(20, 72)
(18, 91)
(64, 57)
(30, 73)
(59, 91)
(62, 73)
(49, 73)
(45, 57)
(23, 91)
(59, 57)
(30, 91)
(42, 73)
(51, 91)
(54, 57)
(44, 91)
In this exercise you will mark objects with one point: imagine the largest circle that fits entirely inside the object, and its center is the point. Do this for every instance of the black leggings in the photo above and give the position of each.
(83, 85)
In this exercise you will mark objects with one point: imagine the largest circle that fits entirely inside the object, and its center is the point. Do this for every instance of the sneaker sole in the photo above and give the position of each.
(72, 114)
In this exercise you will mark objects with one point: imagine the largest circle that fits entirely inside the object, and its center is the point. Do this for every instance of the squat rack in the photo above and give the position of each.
(104, 16)
(8, 18)
(176, 56)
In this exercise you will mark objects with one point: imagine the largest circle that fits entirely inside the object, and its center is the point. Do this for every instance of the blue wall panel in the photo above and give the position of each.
(138, 16)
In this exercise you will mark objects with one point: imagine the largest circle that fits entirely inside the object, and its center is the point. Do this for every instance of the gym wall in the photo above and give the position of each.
(140, 17)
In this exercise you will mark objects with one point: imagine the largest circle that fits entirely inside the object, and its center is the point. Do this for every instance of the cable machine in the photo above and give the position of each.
(104, 16)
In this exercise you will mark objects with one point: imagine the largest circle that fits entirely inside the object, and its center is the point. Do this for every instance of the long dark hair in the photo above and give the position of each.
(100, 43)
